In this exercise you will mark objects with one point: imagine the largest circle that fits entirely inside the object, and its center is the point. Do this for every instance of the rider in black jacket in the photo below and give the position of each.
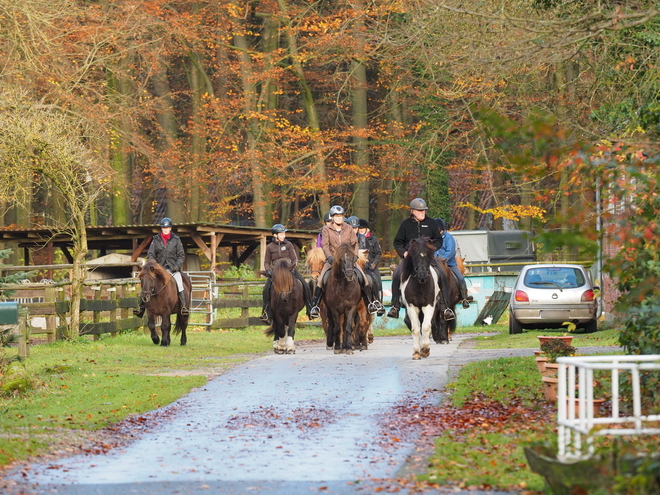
(413, 227)
(167, 249)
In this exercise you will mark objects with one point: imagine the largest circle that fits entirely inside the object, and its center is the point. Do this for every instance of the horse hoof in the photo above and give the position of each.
(156, 341)
(329, 347)
(278, 351)
(349, 351)
(291, 351)
(425, 353)
(416, 356)
(338, 351)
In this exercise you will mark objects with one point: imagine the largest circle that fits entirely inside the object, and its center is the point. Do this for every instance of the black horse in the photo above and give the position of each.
(161, 298)
(286, 301)
(343, 298)
(420, 292)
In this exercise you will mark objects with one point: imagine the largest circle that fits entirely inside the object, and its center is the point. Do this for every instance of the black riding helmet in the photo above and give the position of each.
(353, 221)
(166, 222)
(327, 217)
(364, 223)
(278, 228)
(441, 224)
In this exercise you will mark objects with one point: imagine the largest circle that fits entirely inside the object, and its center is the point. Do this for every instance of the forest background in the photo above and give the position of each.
(115, 112)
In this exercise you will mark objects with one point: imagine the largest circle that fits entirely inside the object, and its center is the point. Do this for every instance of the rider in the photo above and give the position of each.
(334, 235)
(280, 248)
(327, 220)
(415, 226)
(167, 249)
(369, 242)
(448, 253)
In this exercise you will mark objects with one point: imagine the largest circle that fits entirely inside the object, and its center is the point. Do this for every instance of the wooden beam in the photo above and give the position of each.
(248, 251)
(141, 247)
(202, 245)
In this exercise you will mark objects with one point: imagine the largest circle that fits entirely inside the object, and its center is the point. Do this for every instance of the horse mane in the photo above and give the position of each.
(282, 279)
(421, 245)
(315, 260)
(363, 258)
(154, 270)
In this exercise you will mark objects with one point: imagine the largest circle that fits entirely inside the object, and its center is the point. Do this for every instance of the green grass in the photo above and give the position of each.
(528, 338)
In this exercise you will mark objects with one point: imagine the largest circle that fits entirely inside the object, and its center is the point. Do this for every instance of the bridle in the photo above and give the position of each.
(145, 296)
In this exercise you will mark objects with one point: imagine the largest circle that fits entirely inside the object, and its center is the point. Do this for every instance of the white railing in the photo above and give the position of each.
(577, 425)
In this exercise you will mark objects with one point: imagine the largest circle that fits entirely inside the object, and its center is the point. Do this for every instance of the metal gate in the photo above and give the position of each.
(202, 297)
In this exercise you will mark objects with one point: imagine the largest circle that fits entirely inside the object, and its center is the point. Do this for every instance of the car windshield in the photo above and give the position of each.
(555, 276)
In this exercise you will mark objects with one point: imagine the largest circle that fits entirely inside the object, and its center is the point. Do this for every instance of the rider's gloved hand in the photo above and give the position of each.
(330, 259)
(269, 273)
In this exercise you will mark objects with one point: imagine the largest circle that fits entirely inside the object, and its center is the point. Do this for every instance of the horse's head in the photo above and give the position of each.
(314, 261)
(345, 260)
(420, 253)
(152, 279)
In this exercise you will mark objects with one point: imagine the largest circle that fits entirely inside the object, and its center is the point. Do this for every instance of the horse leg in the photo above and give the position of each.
(151, 324)
(415, 328)
(182, 326)
(347, 346)
(428, 312)
(290, 332)
(165, 326)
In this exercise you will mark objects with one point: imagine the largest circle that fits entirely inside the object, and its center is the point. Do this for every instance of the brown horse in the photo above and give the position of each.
(161, 298)
(286, 301)
(362, 326)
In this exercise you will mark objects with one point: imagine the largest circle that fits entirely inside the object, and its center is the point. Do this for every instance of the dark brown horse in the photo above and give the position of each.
(161, 298)
(342, 296)
(442, 329)
(363, 333)
(286, 301)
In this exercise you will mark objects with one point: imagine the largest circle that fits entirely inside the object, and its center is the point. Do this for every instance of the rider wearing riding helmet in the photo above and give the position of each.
(327, 220)
(369, 242)
(334, 235)
(415, 226)
(167, 249)
(448, 253)
(280, 248)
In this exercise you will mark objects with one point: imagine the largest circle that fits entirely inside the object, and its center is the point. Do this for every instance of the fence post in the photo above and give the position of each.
(51, 320)
(23, 333)
(113, 313)
(245, 310)
(61, 296)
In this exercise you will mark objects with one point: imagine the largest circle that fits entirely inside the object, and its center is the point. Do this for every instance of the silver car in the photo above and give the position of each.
(547, 296)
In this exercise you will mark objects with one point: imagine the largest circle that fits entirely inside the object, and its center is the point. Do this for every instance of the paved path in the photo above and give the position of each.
(284, 424)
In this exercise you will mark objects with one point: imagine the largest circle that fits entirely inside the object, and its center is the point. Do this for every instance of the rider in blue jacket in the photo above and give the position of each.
(448, 253)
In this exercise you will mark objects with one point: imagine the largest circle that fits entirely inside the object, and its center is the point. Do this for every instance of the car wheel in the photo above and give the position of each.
(514, 325)
(591, 326)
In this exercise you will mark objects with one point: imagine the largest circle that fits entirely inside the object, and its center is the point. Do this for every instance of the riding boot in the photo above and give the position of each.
(396, 303)
(315, 311)
(184, 303)
(140, 311)
(266, 315)
(464, 295)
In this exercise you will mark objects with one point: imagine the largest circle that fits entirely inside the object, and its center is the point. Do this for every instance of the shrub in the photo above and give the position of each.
(555, 348)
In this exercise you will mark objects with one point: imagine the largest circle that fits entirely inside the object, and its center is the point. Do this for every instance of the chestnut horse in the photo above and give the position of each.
(286, 301)
(161, 298)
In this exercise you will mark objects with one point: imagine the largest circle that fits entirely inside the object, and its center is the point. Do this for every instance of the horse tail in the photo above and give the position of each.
(270, 331)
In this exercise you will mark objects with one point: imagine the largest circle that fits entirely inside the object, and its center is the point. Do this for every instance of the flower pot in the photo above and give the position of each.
(596, 406)
(566, 338)
(540, 363)
(550, 384)
(550, 369)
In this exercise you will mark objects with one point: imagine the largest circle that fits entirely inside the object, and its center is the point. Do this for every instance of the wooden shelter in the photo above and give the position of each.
(135, 239)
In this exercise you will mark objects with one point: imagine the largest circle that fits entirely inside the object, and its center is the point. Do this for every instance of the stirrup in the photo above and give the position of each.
(315, 312)
(264, 317)
(185, 311)
(466, 304)
(449, 314)
(394, 312)
(139, 312)
(374, 307)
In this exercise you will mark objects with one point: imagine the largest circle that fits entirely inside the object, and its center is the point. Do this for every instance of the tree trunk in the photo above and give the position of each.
(360, 140)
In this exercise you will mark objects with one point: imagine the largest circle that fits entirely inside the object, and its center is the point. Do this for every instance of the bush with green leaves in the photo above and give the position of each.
(555, 348)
